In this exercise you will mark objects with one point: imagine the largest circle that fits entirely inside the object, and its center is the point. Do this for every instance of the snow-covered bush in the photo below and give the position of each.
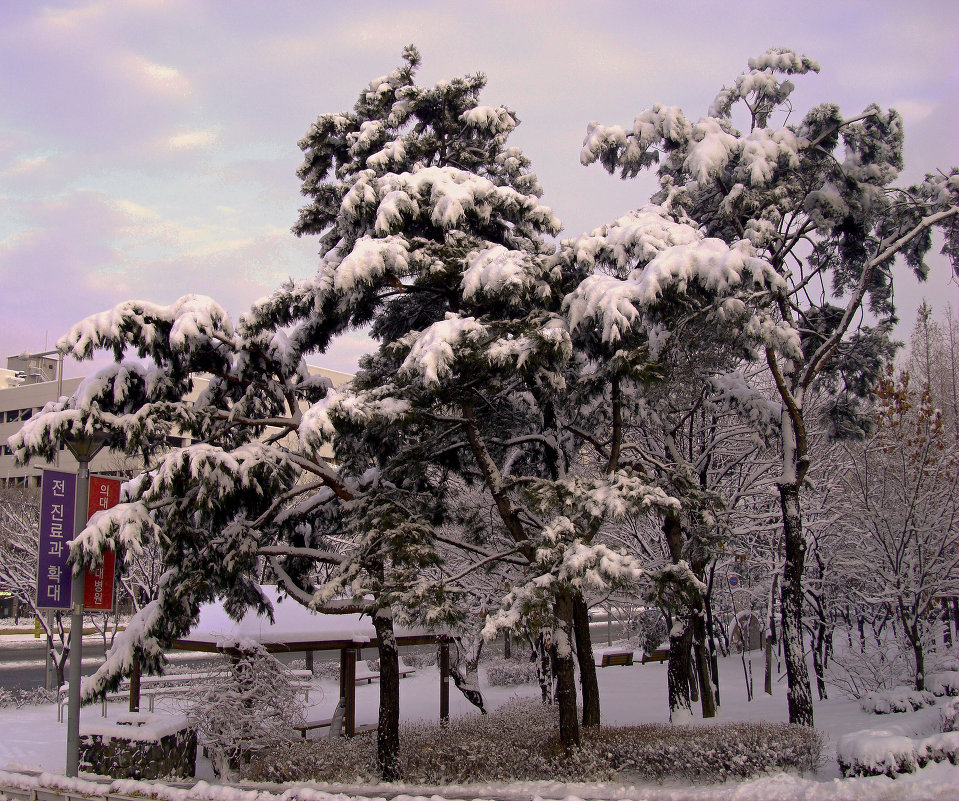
(417, 660)
(248, 703)
(31, 697)
(949, 716)
(938, 748)
(327, 670)
(945, 682)
(900, 700)
(509, 672)
(702, 753)
(874, 753)
(519, 742)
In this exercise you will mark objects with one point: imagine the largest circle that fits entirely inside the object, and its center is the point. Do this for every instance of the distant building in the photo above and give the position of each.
(30, 382)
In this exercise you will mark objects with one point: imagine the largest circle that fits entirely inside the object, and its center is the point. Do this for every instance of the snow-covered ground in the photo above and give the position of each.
(32, 738)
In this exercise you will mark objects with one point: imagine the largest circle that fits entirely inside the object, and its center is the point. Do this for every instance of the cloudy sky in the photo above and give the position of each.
(148, 147)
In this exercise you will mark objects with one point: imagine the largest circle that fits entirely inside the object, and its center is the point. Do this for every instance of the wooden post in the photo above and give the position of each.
(444, 683)
(348, 689)
(135, 686)
(309, 661)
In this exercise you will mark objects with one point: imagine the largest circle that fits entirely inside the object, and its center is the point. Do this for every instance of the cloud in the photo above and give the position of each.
(152, 77)
(24, 166)
(191, 140)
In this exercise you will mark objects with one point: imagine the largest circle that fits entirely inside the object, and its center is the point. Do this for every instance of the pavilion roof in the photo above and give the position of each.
(294, 628)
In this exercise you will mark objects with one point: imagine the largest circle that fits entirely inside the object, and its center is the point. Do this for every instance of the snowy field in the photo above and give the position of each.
(32, 738)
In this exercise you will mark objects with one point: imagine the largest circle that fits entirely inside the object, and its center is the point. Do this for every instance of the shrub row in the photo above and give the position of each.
(509, 672)
(520, 742)
(31, 697)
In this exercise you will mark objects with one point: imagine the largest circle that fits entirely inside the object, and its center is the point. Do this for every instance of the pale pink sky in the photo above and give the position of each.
(148, 147)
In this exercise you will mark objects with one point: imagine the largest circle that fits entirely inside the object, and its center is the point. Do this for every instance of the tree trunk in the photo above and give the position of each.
(693, 678)
(463, 666)
(703, 667)
(677, 673)
(920, 665)
(799, 694)
(587, 666)
(818, 644)
(563, 665)
(388, 729)
(770, 638)
(545, 664)
(711, 633)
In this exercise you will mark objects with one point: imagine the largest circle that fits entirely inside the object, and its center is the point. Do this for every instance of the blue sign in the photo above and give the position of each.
(58, 498)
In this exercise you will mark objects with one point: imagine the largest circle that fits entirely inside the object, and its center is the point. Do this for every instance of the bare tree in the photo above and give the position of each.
(903, 513)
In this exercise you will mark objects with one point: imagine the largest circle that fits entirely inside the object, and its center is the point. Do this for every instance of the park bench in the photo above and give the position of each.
(658, 655)
(613, 658)
(309, 725)
(367, 676)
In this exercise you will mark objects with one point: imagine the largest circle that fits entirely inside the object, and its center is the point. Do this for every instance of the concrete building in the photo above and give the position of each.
(31, 381)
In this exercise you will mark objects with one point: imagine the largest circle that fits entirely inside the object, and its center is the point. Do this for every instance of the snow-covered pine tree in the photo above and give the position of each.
(813, 209)
(657, 370)
(432, 232)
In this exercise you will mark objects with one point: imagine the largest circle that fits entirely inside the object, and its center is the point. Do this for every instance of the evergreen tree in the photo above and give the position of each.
(813, 208)
(432, 233)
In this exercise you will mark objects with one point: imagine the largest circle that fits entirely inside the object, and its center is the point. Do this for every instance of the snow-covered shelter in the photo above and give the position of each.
(297, 629)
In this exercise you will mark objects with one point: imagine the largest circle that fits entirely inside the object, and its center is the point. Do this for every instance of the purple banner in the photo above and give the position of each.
(58, 499)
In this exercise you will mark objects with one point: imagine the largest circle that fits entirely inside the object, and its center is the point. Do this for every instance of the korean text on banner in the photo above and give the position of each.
(58, 497)
(98, 585)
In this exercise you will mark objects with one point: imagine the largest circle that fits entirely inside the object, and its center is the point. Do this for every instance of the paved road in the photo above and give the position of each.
(21, 662)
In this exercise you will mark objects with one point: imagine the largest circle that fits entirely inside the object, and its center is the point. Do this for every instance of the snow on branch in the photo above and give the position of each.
(137, 638)
(363, 407)
(498, 272)
(125, 528)
(190, 322)
(616, 304)
(634, 239)
(734, 390)
(432, 353)
(498, 120)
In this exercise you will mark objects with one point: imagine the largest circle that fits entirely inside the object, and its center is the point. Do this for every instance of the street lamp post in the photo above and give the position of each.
(83, 447)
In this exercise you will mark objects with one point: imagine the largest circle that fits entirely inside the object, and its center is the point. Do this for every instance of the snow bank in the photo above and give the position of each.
(935, 781)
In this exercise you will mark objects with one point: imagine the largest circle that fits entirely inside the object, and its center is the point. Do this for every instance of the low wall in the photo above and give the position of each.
(139, 747)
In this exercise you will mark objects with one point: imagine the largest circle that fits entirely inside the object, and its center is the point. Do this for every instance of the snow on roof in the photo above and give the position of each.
(293, 624)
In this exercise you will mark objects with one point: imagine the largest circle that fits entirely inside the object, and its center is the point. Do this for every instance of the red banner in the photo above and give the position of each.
(98, 586)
